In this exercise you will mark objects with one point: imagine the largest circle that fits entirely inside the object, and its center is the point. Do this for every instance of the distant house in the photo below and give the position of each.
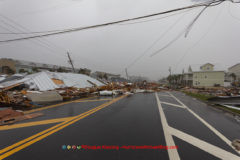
(205, 76)
(208, 77)
(11, 66)
(236, 70)
(188, 77)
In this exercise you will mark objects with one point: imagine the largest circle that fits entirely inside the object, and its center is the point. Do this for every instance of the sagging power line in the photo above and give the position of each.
(211, 3)
(42, 42)
(155, 42)
(186, 30)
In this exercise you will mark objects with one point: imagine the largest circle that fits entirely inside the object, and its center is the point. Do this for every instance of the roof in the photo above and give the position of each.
(196, 67)
(13, 77)
(2, 77)
(40, 81)
(206, 64)
(43, 81)
(74, 79)
(206, 71)
(234, 66)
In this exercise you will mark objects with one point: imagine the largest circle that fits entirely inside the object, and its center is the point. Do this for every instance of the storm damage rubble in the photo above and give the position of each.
(215, 91)
(224, 98)
(44, 88)
(24, 92)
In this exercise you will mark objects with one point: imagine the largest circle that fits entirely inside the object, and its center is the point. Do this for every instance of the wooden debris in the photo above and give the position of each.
(9, 116)
(236, 144)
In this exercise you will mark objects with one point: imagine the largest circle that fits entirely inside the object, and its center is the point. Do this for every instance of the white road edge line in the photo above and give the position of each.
(220, 135)
(172, 153)
(214, 150)
(164, 96)
(171, 104)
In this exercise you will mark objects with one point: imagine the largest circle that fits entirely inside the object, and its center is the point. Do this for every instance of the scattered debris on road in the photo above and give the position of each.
(236, 144)
(10, 116)
(25, 92)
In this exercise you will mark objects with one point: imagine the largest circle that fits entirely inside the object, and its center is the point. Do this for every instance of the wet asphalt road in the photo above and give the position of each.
(133, 120)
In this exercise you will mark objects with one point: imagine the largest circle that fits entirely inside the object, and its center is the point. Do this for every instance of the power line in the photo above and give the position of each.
(155, 42)
(200, 39)
(43, 42)
(46, 44)
(169, 43)
(114, 22)
(39, 32)
(158, 18)
(187, 29)
(231, 14)
(34, 41)
(50, 50)
(194, 20)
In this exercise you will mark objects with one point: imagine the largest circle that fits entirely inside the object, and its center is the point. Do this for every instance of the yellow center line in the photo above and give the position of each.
(55, 105)
(94, 100)
(45, 133)
(35, 123)
(48, 121)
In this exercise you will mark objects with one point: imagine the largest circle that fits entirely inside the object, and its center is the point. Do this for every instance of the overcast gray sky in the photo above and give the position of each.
(214, 38)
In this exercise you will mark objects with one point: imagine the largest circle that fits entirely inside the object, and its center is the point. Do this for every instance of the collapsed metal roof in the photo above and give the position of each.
(75, 80)
(42, 81)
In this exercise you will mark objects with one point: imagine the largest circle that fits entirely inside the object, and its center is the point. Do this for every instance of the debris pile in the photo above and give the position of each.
(15, 99)
(9, 116)
(236, 144)
(42, 88)
(22, 92)
(214, 91)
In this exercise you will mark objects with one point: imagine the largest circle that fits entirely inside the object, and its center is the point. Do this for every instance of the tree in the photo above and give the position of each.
(60, 69)
(84, 71)
(35, 69)
(105, 76)
(22, 70)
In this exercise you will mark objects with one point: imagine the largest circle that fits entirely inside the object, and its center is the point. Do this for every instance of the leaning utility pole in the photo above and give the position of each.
(71, 62)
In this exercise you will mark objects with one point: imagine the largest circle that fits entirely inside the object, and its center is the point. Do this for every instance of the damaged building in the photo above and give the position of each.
(12, 66)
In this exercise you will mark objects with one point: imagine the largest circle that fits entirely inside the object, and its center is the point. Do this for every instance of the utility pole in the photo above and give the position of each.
(70, 61)
(126, 73)
(170, 76)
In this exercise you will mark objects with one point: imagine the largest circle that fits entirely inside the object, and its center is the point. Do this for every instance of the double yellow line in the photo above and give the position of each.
(56, 105)
(39, 136)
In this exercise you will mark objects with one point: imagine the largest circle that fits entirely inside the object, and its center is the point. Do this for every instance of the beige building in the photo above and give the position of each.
(203, 76)
(208, 77)
(187, 79)
(236, 70)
